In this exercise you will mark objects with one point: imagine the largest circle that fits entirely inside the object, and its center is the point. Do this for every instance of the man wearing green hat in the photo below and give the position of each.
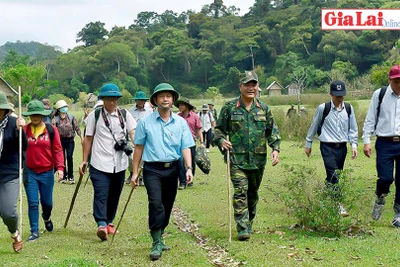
(212, 110)
(161, 140)
(250, 125)
(139, 111)
(106, 142)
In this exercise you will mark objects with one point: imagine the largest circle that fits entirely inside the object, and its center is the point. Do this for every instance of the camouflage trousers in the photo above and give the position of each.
(245, 197)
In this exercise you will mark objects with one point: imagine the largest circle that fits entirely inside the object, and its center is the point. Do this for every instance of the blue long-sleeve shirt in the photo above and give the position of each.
(336, 127)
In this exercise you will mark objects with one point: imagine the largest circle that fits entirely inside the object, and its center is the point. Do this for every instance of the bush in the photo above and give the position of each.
(315, 204)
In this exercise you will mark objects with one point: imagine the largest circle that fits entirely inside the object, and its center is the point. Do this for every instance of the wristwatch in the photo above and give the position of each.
(189, 168)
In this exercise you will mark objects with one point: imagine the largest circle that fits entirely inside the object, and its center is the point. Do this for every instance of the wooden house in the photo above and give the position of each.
(274, 89)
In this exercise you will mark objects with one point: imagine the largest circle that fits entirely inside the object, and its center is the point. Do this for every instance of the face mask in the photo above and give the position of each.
(64, 110)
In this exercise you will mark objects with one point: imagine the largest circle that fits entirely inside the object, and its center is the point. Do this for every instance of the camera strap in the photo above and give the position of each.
(107, 123)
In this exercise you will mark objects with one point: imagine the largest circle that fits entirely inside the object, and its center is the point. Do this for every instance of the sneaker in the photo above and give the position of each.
(17, 242)
(33, 237)
(190, 185)
(64, 181)
(243, 235)
(111, 229)
(208, 150)
(48, 225)
(141, 183)
(396, 221)
(342, 211)
(102, 233)
(378, 208)
(128, 180)
(181, 186)
(71, 180)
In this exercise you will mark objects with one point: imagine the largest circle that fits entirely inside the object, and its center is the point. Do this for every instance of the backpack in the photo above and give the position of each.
(50, 129)
(208, 112)
(380, 98)
(97, 116)
(327, 109)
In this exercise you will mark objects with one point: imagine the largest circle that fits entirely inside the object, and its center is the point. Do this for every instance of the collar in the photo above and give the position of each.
(239, 103)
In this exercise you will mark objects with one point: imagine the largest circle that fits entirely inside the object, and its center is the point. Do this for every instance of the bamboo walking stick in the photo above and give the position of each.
(20, 162)
(228, 164)
(123, 212)
(71, 206)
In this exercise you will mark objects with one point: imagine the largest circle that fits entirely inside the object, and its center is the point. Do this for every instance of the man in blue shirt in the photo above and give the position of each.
(161, 139)
(383, 120)
(338, 127)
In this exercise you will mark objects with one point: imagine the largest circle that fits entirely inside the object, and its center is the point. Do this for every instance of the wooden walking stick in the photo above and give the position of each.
(228, 170)
(71, 206)
(123, 212)
(20, 162)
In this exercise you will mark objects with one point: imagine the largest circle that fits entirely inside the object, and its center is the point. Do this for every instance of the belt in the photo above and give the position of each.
(336, 145)
(390, 138)
(162, 164)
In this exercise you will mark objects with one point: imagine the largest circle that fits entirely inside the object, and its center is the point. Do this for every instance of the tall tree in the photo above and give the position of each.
(92, 33)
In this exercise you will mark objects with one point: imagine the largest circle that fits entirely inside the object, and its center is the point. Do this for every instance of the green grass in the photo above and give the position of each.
(273, 244)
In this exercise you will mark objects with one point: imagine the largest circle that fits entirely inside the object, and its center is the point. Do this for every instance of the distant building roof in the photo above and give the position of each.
(274, 83)
(6, 88)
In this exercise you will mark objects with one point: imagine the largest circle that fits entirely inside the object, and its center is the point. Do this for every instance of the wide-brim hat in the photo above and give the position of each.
(204, 107)
(184, 100)
(36, 107)
(60, 104)
(4, 102)
(163, 87)
(110, 90)
(140, 96)
(211, 103)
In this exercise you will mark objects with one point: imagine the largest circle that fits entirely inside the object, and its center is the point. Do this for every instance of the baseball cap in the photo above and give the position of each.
(338, 88)
(394, 72)
(249, 76)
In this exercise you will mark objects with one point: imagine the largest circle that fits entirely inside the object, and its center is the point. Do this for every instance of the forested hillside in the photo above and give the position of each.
(197, 50)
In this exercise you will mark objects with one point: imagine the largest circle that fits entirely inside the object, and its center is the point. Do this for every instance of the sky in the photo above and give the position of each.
(56, 22)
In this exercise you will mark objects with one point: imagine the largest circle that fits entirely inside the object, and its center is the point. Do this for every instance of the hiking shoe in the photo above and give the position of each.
(181, 186)
(17, 242)
(163, 246)
(71, 180)
(141, 183)
(33, 237)
(102, 233)
(156, 250)
(243, 235)
(48, 225)
(342, 211)
(396, 221)
(111, 229)
(378, 208)
(250, 229)
(64, 181)
(190, 185)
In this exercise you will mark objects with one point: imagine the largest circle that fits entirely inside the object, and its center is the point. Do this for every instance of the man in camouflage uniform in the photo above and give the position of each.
(250, 126)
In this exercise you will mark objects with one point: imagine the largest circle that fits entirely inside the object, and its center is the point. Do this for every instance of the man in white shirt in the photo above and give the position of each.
(383, 120)
(207, 122)
(105, 141)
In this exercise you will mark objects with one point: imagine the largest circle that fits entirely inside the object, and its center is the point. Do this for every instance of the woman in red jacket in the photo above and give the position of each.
(43, 155)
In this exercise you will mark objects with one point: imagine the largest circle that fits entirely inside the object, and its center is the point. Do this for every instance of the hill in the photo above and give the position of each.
(35, 50)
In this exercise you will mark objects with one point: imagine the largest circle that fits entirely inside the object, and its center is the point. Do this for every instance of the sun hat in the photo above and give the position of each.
(184, 100)
(4, 104)
(163, 87)
(111, 90)
(204, 107)
(36, 107)
(60, 104)
(140, 96)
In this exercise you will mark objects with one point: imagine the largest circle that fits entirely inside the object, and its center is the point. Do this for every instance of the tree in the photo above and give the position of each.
(115, 53)
(213, 93)
(13, 58)
(92, 33)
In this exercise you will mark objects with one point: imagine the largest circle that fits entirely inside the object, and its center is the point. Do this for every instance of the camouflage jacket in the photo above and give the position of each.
(249, 132)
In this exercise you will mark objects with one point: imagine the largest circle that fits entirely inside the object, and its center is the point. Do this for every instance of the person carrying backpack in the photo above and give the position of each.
(383, 121)
(207, 122)
(67, 126)
(335, 123)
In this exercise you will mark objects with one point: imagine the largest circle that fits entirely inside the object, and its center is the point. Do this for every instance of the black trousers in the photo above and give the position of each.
(207, 137)
(182, 169)
(68, 145)
(161, 186)
(334, 155)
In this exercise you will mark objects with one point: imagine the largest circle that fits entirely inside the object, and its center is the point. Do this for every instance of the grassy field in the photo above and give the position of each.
(201, 238)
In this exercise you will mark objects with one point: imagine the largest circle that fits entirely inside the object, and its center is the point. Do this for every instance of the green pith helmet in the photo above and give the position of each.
(163, 87)
(140, 96)
(184, 100)
(110, 90)
(36, 107)
(4, 102)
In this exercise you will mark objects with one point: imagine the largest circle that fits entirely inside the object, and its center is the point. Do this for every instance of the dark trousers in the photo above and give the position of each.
(107, 191)
(161, 186)
(182, 169)
(68, 145)
(334, 155)
(387, 157)
(207, 138)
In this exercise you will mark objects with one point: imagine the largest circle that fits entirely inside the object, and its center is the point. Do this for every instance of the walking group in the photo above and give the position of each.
(164, 151)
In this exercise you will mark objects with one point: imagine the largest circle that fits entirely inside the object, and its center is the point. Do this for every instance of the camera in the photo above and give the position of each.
(123, 145)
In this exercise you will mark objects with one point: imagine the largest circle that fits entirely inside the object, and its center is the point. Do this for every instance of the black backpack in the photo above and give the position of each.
(327, 109)
(381, 95)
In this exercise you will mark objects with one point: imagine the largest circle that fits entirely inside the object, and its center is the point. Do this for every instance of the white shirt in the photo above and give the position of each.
(104, 157)
(140, 113)
(206, 121)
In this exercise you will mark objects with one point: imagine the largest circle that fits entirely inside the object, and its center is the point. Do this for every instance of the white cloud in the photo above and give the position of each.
(58, 22)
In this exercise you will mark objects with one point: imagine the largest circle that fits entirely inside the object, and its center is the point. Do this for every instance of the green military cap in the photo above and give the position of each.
(249, 76)
(163, 87)
(211, 103)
